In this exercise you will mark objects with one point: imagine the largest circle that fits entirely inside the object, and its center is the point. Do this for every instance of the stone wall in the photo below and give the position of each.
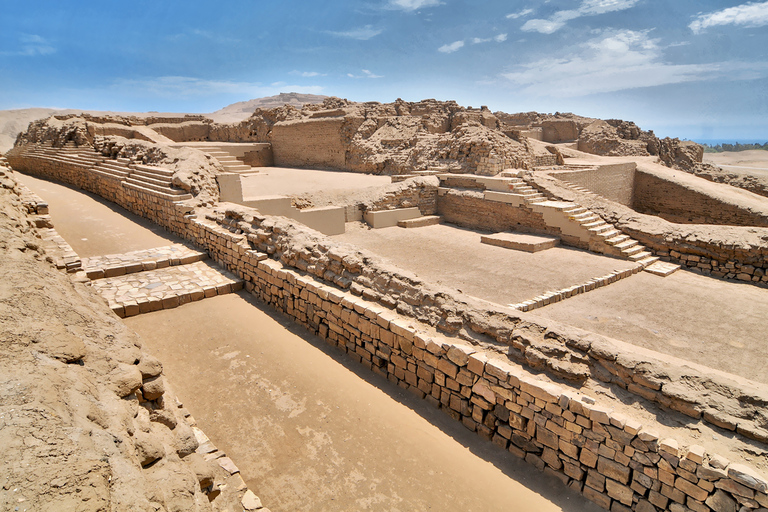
(615, 182)
(314, 143)
(678, 203)
(614, 461)
(473, 359)
(420, 192)
(470, 209)
(730, 252)
(559, 130)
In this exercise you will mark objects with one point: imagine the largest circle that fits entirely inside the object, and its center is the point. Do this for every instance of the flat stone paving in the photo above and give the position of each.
(454, 257)
(112, 265)
(165, 288)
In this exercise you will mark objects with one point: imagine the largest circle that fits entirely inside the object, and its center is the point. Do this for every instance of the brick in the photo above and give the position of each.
(613, 470)
(597, 497)
(691, 489)
(618, 491)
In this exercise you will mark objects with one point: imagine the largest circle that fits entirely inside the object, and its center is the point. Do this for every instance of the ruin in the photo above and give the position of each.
(627, 425)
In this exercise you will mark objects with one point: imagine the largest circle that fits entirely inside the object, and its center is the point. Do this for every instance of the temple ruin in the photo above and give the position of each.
(540, 211)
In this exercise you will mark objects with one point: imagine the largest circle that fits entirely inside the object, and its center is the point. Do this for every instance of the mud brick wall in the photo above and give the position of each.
(312, 143)
(616, 462)
(470, 209)
(615, 182)
(412, 333)
(148, 204)
(676, 203)
(420, 192)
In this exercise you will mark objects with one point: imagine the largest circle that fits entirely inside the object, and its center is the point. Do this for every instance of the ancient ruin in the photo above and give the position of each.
(438, 260)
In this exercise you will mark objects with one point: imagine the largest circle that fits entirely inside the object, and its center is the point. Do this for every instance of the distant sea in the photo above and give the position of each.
(715, 142)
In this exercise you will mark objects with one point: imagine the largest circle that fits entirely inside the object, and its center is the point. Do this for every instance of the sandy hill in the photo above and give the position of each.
(236, 112)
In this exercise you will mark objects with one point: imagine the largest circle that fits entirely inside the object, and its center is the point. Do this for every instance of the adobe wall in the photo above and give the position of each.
(729, 252)
(615, 181)
(473, 360)
(559, 130)
(470, 209)
(676, 202)
(314, 143)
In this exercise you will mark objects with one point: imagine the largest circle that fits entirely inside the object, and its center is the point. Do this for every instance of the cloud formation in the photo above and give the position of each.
(307, 74)
(752, 14)
(612, 62)
(587, 8)
(361, 34)
(452, 47)
(31, 45)
(366, 74)
(412, 5)
(191, 87)
(519, 14)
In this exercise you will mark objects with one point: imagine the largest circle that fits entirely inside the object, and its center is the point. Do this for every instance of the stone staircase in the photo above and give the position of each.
(229, 162)
(156, 179)
(162, 278)
(570, 218)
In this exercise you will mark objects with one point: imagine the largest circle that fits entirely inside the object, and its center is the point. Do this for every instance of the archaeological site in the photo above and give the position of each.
(368, 306)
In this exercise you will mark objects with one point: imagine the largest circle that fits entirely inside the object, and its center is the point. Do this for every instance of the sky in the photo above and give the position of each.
(695, 69)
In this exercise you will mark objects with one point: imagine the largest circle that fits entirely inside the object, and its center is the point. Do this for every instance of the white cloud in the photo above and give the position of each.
(307, 74)
(753, 14)
(186, 87)
(450, 48)
(621, 60)
(412, 5)
(500, 38)
(31, 45)
(361, 34)
(366, 74)
(587, 8)
(477, 40)
(520, 14)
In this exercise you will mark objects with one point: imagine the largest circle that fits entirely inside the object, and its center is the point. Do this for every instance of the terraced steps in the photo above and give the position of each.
(427, 220)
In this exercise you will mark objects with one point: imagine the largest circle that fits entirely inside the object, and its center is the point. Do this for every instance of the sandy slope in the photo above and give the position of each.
(755, 158)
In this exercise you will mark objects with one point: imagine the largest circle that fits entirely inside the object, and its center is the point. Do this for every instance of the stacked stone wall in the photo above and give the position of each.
(616, 462)
(412, 333)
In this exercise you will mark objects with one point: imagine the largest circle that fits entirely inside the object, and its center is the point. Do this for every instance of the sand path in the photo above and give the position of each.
(308, 429)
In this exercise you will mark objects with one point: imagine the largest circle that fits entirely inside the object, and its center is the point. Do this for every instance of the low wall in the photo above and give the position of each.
(616, 462)
(473, 359)
(314, 143)
(729, 252)
(615, 181)
(676, 202)
(470, 209)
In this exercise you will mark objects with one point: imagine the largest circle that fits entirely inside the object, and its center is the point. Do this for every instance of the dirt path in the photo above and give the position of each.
(309, 430)
(709, 321)
(94, 226)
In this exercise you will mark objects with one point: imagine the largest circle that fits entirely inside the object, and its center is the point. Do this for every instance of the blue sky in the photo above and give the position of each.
(687, 68)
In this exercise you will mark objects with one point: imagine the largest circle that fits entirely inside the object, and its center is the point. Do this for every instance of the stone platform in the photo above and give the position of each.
(662, 268)
(113, 265)
(521, 242)
(165, 288)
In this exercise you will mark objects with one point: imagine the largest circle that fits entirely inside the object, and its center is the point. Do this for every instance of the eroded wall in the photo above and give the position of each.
(615, 181)
(314, 143)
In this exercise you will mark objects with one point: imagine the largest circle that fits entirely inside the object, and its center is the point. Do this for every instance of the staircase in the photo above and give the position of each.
(570, 218)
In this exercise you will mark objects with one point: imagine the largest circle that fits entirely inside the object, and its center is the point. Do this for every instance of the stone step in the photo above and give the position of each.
(633, 249)
(151, 179)
(108, 173)
(170, 195)
(617, 239)
(166, 288)
(641, 255)
(593, 223)
(153, 170)
(611, 233)
(163, 189)
(626, 244)
(427, 220)
(113, 265)
(600, 229)
(659, 268)
(521, 241)
(236, 167)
